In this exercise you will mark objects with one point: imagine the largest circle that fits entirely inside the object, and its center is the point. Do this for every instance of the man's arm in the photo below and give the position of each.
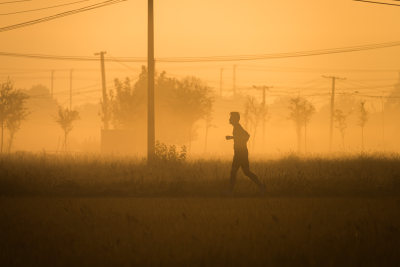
(229, 137)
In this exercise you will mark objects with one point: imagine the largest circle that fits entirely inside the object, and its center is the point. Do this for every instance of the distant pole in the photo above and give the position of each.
(334, 78)
(52, 84)
(150, 93)
(234, 80)
(103, 81)
(70, 89)
(383, 122)
(220, 81)
(263, 103)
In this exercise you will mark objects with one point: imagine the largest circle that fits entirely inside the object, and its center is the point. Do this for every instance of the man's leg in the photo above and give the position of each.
(246, 170)
(234, 170)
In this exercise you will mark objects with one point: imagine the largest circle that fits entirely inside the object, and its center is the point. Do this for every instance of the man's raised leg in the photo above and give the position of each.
(234, 170)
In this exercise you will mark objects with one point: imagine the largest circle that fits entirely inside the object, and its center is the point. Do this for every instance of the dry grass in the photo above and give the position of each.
(99, 211)
(29, 174)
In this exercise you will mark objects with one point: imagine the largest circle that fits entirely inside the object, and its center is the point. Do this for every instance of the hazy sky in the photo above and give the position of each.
(204, 28)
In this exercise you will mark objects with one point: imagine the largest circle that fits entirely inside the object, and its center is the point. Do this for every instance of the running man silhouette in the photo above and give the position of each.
(241, 154)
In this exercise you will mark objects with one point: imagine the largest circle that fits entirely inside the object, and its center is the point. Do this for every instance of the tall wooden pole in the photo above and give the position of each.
(332, 112)
(220, 81)
(234, 81)
(150, 66)
(332, 108)
(70, 89)
(52, 84)
(104, 89)
(263, 104)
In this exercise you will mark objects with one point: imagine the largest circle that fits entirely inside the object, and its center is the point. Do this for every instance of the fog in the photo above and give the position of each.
(184, 123)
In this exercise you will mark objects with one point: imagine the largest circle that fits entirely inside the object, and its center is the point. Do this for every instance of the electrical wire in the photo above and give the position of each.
(60, 15)
(375, 2)
(69, 58)
(43, 8)
(281, 55)
(11, 2)
(214, 58)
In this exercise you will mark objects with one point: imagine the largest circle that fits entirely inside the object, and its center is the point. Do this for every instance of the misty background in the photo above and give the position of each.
(190, 29)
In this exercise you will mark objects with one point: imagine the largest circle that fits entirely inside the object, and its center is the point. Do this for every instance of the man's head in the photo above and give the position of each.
(234, 118)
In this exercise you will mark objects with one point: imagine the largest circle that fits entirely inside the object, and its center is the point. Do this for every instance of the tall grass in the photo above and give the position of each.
(91, 175)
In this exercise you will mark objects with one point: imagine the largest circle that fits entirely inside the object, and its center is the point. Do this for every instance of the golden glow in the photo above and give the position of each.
(204, 28)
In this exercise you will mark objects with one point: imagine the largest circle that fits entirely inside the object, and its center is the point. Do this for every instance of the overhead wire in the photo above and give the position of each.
(375, 2)
(11, 2)
(213, 58)
(43, 8)
(60, 15)
(281, 55)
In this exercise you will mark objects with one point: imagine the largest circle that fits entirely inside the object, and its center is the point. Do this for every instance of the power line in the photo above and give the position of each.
(281, 55)
(43, 8)
(11, 2)
(69, 58)
(213, 58)
(119, 62)
(60, 15)
(303, 69)
(374, 2)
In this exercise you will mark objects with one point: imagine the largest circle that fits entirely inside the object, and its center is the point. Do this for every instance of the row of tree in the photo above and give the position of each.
(301, 111)
(180, 103)
(13, 112)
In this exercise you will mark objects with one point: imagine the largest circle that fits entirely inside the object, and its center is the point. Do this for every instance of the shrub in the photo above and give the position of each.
(169, 153)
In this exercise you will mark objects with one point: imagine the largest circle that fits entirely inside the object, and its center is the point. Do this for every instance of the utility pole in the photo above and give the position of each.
(334, 78)
(383, 121)
(70, 89)
(220, 81)
(263, 103)
(52, 84)
(103, 80)
(234, 80)
(150, 84)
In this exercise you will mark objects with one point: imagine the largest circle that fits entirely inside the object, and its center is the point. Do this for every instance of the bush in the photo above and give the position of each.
(170, 153)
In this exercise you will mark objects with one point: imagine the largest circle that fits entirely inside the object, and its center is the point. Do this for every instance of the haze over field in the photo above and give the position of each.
(209, 28)
(116, 141)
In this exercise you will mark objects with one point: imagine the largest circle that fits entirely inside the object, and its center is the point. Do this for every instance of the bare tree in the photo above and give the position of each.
(255, 113)
(363, 119)
(309, 110)
(340, 119)
(13, 122)
(12, 111)
(208, 124)
(65, 119)
(301, 111)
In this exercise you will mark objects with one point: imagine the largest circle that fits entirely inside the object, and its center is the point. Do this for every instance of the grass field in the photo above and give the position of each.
(85, 210)
(30, 174)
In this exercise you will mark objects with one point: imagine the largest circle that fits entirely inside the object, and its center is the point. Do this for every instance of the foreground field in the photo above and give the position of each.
(98, 211)
(50, 175)
(199, 231)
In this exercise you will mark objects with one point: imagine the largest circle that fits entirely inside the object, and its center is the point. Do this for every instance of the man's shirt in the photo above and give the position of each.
(240, 138)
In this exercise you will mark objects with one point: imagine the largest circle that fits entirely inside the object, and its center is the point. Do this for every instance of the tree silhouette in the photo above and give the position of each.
(65, 119)
(12, 111)
(208, 124)
(179, 104)
(191, 101)
(301, 111)
(362, 120)
(254, 113)
(340, 122)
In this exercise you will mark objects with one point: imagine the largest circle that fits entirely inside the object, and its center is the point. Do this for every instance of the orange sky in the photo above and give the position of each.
(203, 28)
